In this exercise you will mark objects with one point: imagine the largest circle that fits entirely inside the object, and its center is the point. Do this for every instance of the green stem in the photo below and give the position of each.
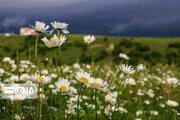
(78, 101)
(118, 95)
(96, 102)
(36, 48)
(49, 110)
(59, 50)
(41, 104)
(56, 61)
(60, 105)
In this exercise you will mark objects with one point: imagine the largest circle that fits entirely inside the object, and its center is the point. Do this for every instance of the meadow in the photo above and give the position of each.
(90, 77)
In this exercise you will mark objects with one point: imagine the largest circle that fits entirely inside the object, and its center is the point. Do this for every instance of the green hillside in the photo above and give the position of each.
(75, 50)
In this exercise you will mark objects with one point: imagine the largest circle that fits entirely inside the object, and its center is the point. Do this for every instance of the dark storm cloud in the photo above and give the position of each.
(106, 17)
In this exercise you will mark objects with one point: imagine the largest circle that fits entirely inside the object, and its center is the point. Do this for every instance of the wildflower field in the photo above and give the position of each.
(100, 84)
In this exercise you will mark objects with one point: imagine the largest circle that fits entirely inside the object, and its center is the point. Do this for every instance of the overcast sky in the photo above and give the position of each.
(156, 18)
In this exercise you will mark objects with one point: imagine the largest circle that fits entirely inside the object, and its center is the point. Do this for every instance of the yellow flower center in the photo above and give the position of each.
(89, 40)
(11, 63)
(52, 43)
(29, 82)
(85, 80)
(40, 78)
(45, 73)
(96, 85)
(127, 72)
(16, 99)
(0, 89)
(14, 79)
(24, 78)
(71, 109)
(122, 110)
(42, 97)
(109, 100)
(63, 88)
(171, 104)
(128, 82)
(172, 80)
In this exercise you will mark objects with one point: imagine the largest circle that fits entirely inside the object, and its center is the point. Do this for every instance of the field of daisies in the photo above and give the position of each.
(88, 91)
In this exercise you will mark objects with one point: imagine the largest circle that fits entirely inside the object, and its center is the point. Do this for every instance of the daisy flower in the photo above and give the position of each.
(124, 56)
(29, 82)
(60, 26)
(130, 81)
(44, 72)
(127, 69)
(172, 103)
(76, 66)
(89, 39)
(2, 71)
(140, 67)
(6, 59)
(123, 110)
(40, 27)
(54, 41)
(153, 112)
(40, 79)
(139, 112)
(98, 83)
(24, 77)
(11, 62)
(14, 78)
(172, 80)
(17, 117)
(62, 84)
(17, 97)
(53, 75)
(84, 77)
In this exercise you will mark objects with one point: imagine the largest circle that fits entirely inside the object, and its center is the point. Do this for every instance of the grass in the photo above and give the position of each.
(14, 42)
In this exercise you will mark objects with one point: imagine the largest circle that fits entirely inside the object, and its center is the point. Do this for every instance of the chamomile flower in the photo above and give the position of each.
(17, 117)
(60, 26)
(6, 59)
(11, 62)
(40, 79)
(127, 69)
(44, 72)
(98, 83)
(140, 67)
(73, 90)
(153, 112)
(24, 77)
(123, 110)
(53, 75)
(40, 27)
(89, 39)
(76, 66)
(172, 80)
(139, 112)
(29, 82)
(124, 56)
(42, 96)
(62, 84)
(84, 77)
(54, 41)
(172, 103)
(17, 97)
(14, 78)
(2, 71)
(130, 81)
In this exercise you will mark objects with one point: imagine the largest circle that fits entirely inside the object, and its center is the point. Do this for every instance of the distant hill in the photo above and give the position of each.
(140, 49)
